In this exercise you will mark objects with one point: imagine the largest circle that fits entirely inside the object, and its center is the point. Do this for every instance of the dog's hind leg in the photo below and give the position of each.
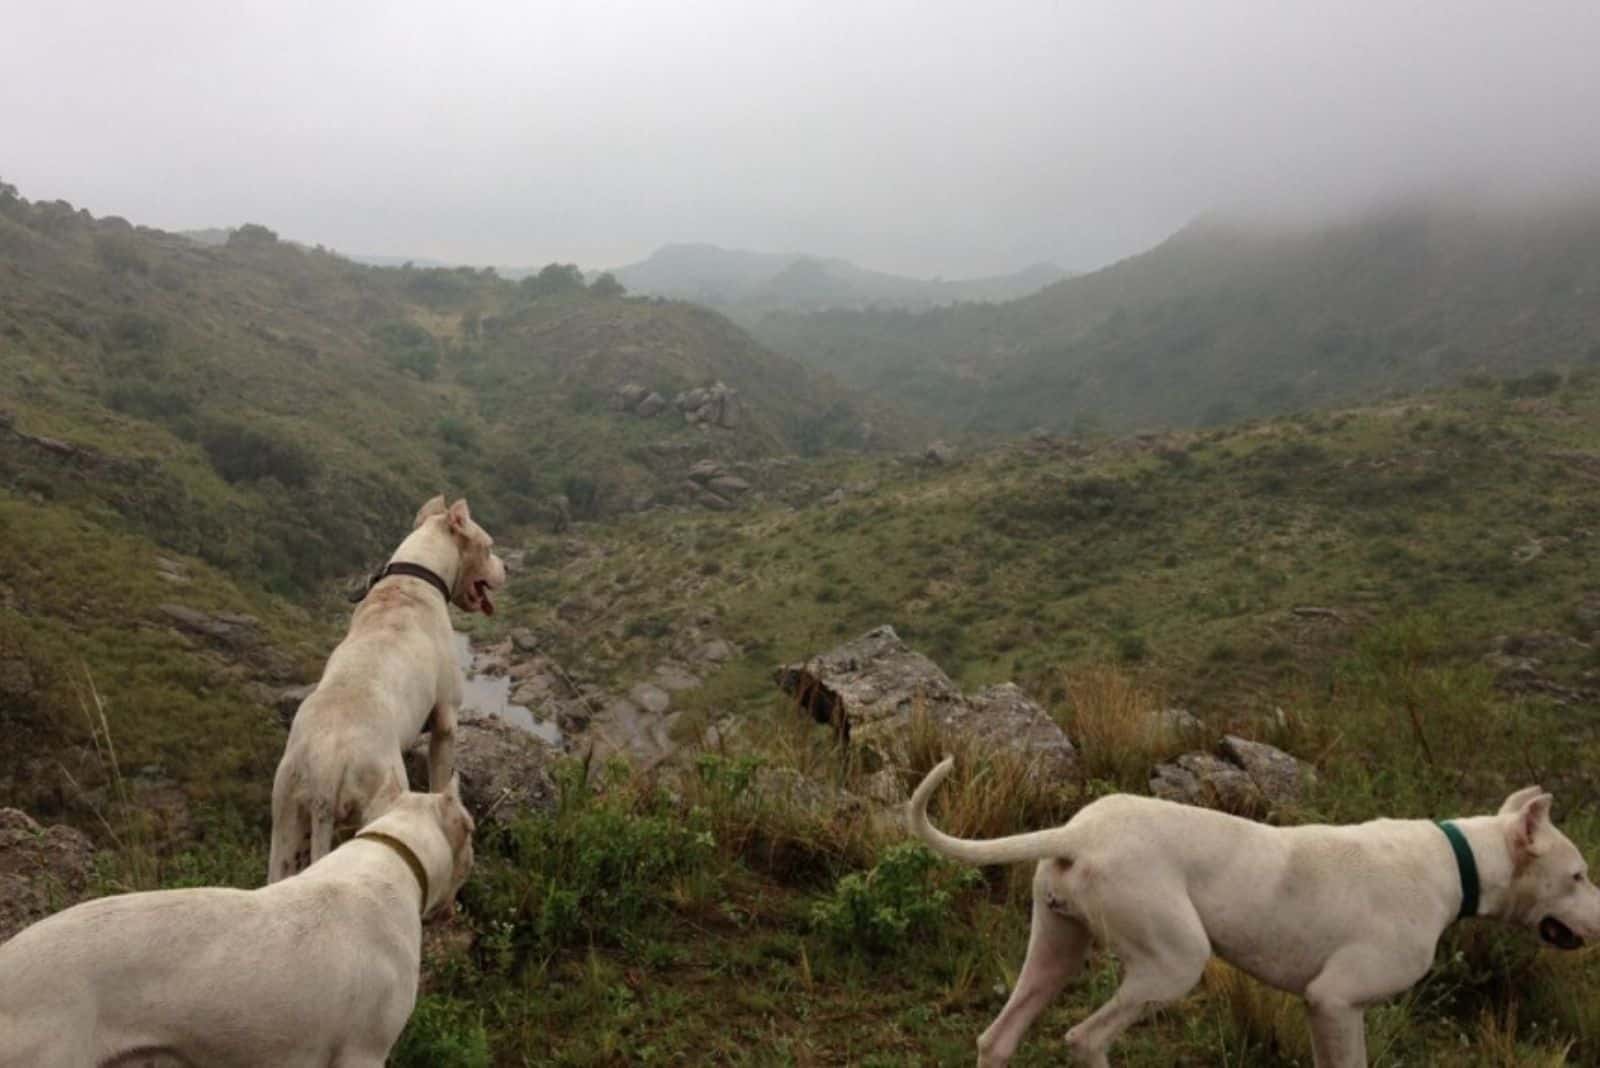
(288, 832)
(1057, 946)
(322, 827)
(1163, 957)
(441, 747)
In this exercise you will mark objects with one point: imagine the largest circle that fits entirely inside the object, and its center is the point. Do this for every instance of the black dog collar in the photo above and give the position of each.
(400, 567)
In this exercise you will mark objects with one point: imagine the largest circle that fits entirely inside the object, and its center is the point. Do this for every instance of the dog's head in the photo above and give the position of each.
(481, 571)
(437, 828)
(1550, 887)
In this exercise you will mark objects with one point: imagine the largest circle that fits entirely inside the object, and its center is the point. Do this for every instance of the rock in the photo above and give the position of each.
(706, 499)
(42, 870)
(505, 771)
(1209, 781)
(1279, 776)
(650, 697)
(728, 485)
(836, 497)
(674, 677)
(690, 400)
(872, 688)
(1004, 717)
(1246, 778)
(287, 702)
(1179, 721)
(705, 471)
(627, 396)
(651, 406)
(524, 640)
(803, 792)
(232, 629)
(171, 571)
(1512, 669)
(577, 607)
(938, 454)
(716, 651)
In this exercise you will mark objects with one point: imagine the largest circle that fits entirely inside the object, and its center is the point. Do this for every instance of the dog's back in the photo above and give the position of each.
(210, 976)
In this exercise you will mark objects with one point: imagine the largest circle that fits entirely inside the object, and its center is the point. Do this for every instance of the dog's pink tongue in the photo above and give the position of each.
(484, 602)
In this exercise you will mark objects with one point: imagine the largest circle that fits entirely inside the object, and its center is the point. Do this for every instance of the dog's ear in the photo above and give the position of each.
(1528, 824)
(429, 510)
(460, 516)
(1515, 802)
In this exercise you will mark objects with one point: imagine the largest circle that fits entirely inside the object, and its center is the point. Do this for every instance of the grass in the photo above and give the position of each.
(674, 918)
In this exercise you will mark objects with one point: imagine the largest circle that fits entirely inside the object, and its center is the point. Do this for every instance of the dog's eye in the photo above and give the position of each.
(1577, 877)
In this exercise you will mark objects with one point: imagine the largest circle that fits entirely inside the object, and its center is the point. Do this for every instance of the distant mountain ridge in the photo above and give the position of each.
(736, 280)
(1228, 320)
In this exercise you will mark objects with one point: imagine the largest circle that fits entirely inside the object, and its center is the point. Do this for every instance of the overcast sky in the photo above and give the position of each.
(920, 137)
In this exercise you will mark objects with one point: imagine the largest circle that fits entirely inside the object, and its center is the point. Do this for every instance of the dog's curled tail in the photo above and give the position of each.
(1018, 847)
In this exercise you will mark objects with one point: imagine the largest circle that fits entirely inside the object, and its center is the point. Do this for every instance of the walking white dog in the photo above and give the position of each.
(313, 971)
(1342, 915)
(394, 674)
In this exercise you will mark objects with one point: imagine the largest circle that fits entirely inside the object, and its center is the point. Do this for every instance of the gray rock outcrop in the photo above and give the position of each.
(505, 772)
(871, 689)
(42, 869)
(1243, 777)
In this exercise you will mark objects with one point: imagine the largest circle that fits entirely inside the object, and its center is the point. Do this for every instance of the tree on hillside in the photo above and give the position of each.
(607, 286)
(554, 278)
(253, 234)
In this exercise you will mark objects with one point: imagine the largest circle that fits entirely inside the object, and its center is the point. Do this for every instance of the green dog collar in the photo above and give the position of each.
(1466, 865)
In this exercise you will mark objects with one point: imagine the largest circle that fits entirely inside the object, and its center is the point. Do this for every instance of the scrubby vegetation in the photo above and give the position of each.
(1228, 320)
(1402, 595)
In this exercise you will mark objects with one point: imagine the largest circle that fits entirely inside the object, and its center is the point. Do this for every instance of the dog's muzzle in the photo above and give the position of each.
(1558, 934)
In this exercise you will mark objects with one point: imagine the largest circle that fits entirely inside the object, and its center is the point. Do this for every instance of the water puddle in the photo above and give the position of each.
(490, 695)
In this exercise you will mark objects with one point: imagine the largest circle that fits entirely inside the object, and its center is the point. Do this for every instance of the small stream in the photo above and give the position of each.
(490, 695)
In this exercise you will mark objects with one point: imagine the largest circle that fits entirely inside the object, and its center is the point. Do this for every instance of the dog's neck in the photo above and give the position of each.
(405, 853)
(433, 549)
(1492, 855)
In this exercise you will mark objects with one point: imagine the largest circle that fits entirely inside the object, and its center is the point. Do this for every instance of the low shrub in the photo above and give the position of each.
(904, 898)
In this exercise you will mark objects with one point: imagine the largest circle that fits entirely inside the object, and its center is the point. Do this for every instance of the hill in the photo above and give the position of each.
(748, 283)
(1229, 320)
(309, 398)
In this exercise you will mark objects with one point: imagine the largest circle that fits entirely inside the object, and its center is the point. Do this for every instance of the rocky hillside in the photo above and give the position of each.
(1228, 320)
(271, 408)
(746, 284)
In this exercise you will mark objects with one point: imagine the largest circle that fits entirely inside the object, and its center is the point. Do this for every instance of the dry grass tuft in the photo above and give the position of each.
(1118, 727)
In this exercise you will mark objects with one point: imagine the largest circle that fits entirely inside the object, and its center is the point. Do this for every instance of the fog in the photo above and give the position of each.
(926, 138)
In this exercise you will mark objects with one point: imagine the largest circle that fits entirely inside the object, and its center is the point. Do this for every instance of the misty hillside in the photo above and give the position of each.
(752, 282)
(273, 408)
(1228, 320)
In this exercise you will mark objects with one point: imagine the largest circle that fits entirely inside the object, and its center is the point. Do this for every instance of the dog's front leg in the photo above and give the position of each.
(442, 747)
(1338, 1035)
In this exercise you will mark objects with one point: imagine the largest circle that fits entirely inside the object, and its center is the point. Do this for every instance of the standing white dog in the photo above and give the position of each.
(394, 674)
(1342, 915)
(314, 971)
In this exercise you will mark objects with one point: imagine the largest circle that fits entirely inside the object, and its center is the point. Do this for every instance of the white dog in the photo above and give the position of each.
(1342, 915)
(394, 675)
(313, 971)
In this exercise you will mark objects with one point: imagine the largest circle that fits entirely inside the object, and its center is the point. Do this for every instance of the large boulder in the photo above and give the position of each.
(1243, 777)
(42, 869)
(873, 688)
(650, 406)
(504, 771)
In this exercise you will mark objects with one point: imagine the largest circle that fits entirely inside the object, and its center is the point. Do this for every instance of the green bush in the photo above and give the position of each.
(905, 897)
(591, 874)
(242, 453)
(408, 348)
(442, 1032)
